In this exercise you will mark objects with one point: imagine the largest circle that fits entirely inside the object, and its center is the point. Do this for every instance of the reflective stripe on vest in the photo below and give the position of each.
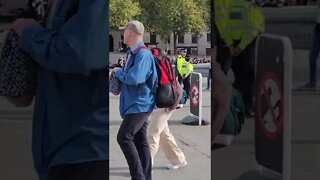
(183, 67)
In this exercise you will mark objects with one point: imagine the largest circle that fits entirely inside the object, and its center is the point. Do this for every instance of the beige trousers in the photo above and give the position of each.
(159, 135)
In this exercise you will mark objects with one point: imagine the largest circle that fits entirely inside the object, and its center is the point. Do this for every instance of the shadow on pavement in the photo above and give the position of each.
(123, 174)
(19, 118)
(118, 168)
(254, 175)
(16, 114)
(160, 168)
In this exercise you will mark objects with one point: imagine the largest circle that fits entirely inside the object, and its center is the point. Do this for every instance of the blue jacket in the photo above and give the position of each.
(139, 83)
(71, 115)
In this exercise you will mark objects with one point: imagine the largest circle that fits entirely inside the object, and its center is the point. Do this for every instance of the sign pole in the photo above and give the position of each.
(200, 99)
(195, 118)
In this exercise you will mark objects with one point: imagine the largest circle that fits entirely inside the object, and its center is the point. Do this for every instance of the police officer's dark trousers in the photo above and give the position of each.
(243, 69)
(186, 83)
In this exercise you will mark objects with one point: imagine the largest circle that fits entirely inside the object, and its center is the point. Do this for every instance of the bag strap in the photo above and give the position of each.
(172, 74)
(133, 57)
(141, 47)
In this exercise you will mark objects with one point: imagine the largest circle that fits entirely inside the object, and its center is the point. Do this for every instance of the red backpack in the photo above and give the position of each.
(165, 93)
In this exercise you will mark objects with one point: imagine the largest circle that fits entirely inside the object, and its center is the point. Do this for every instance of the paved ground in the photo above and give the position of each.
(15, 138)
(15, 150)
(237, 161)
(193, 140)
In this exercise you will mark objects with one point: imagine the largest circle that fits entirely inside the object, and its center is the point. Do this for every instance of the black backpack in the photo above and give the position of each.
(165, 93)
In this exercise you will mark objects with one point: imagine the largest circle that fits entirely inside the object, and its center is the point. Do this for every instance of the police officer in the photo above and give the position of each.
(223, 56)
(245, 22)
(184, 69)
(239, 22)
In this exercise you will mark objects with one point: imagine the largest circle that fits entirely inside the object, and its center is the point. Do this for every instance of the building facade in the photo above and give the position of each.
(196, 45)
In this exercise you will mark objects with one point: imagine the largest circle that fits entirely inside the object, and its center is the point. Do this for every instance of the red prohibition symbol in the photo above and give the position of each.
(194, 95)
(270, 106)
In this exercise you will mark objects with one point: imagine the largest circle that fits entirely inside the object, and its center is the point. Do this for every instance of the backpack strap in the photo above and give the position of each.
(133, 57)
(141, 47)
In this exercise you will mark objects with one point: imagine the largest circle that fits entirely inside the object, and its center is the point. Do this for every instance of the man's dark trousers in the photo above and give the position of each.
(132, 138)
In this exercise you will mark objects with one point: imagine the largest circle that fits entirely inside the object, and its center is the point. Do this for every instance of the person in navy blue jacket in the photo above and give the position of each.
(71, 114)
(137, 101)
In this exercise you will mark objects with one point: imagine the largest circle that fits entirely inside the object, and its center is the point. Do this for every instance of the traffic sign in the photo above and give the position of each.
(273, 104)
(270, 106)
(195, 102)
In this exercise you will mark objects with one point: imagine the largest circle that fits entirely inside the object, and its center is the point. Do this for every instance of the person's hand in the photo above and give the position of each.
(221, 96)
(21, 24)
(237, 51)
(178, 90)
(167, 110)
(231, 49)
(116, 69)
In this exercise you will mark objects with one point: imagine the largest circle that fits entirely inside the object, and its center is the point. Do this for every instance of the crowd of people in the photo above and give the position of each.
(193, 60)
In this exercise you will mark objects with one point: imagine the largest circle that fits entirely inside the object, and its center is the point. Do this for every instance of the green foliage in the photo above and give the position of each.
(165, 17)
(122, 11)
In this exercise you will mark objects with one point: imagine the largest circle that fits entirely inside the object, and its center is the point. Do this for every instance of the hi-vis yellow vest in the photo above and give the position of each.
(239, 20)
(185, 68)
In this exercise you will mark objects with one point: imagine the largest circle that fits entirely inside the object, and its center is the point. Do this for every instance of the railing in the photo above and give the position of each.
(199, 66)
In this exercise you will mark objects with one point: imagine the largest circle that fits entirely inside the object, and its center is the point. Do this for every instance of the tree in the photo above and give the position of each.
(166, 17)
(206, 9)
(122, 11)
